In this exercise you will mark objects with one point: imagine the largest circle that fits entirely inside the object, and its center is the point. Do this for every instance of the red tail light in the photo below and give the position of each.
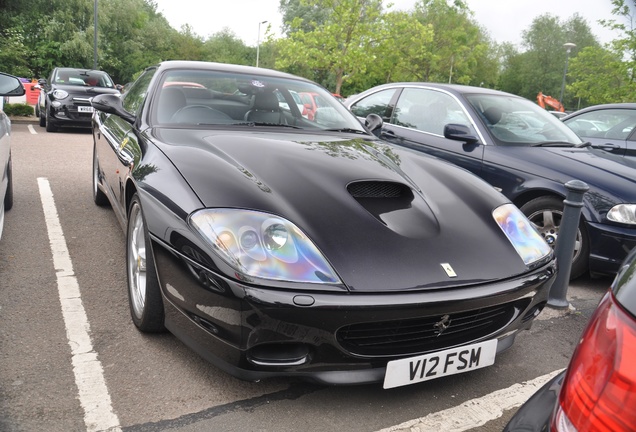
(599, 390)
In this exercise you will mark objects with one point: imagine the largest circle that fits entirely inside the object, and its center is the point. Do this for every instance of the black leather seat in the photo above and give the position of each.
(171, 100)
(265, 109)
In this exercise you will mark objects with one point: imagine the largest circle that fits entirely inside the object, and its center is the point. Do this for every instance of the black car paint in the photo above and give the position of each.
(234, 322)
(525, 173)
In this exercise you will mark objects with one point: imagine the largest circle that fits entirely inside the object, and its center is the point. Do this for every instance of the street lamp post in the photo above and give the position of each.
(95, 37)
(258, 41)
(568, 47)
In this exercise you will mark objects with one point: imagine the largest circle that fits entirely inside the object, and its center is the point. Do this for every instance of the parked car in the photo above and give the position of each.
(597, 391)
(9, 86)
(273, 245)
(312, 102)
(64, 99)
(611, 127)
(523, 151)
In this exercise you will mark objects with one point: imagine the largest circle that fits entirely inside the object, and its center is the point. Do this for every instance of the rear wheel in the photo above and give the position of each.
(99, 196)
(546, 213)
(8, 197)
(144, 294)
(42, 119)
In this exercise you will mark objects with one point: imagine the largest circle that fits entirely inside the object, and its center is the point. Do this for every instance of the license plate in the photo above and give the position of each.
(442, 363)
(85, 109)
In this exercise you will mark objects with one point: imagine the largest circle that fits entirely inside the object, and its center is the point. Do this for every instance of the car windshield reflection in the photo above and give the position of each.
(519, 122)
(203, 98)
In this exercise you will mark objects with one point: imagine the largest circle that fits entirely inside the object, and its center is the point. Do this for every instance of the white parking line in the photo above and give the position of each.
(475, 412)
(33, 132)
(89, 374)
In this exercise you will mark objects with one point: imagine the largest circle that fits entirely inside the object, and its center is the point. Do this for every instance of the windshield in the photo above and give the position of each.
(82, 77)
(210, 98)
(514, 121)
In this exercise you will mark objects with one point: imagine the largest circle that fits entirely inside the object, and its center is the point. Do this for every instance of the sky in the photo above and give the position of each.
(503, 19)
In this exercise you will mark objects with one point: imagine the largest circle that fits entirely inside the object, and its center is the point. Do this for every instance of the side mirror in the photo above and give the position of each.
(111, 104)
(10, 86)
(374, 123)
(459, 132)
(42, 81)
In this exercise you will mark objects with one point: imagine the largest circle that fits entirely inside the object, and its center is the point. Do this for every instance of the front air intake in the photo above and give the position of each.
(379, 189)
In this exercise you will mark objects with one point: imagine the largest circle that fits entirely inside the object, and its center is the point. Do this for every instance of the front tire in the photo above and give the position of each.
(144, 293)
(50, 127)
(546, 213)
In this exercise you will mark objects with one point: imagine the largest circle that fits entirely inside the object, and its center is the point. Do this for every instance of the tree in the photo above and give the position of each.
(460, 51)
(540, 67)
(606, 75)
(340, 46)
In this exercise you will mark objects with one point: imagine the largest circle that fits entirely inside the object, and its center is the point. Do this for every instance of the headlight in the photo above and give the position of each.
(59, 94)
(524, 237)
(623, 213)
(263, 245)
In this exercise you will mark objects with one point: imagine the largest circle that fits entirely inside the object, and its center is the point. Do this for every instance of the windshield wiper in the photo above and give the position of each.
(346, 130)
(252, 124)
(583, 145)
(553, 144)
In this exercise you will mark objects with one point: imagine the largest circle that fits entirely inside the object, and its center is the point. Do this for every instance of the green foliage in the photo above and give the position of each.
(18, 109)
(345, 45)
(541, 67)
(340, 46)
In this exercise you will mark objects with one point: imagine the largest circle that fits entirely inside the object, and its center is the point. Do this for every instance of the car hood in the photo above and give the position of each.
(89, 91)
(611, 175)
(376, 244)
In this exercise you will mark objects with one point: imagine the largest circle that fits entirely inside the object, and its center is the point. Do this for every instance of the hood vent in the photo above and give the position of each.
(376, 189)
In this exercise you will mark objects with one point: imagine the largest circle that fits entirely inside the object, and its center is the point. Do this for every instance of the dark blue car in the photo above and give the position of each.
(521, 150)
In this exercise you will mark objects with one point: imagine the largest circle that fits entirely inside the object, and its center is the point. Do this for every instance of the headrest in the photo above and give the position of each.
(266, 101)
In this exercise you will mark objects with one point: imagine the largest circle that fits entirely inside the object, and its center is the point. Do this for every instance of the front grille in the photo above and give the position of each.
(419, 335)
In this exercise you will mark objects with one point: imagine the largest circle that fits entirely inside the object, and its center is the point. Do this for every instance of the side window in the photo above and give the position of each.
(134, 97)
(377, 103)
(428, 110)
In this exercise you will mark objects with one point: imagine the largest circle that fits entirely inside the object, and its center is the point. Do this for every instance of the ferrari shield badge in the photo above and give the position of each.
(449, 270)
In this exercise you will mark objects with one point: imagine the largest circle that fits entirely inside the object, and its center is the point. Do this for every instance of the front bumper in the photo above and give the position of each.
(536, 413)
(72, 113)
(609, 244)
(335, 338)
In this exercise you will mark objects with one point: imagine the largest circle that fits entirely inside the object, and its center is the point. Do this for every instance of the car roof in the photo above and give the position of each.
(453, 88)
(621, 105)
(224, 67)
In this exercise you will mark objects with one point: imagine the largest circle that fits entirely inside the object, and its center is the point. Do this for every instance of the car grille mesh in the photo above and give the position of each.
(420, 335)
(378, 190)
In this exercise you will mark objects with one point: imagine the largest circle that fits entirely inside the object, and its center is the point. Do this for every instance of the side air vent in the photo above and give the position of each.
(376, 189)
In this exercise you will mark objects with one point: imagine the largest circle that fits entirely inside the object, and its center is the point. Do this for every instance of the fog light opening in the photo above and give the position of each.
(279, 354)
(534, 312)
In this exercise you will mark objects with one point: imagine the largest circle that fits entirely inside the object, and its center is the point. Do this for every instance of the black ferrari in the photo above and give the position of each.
(274, 245)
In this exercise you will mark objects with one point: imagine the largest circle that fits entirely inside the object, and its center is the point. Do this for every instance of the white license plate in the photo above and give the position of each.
(85, 109)
(438, 364)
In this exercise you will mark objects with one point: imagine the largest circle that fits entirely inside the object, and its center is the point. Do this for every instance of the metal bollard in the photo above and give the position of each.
(564, 249)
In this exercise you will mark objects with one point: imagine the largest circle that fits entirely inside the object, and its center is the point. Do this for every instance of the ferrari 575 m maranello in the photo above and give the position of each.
(274, 245)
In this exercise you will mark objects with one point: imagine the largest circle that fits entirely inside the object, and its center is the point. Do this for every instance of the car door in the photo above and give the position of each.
(418, 120)
(118, 141)
(613, 130)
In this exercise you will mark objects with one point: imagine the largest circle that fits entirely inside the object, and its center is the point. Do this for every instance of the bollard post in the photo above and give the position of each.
(564, 249)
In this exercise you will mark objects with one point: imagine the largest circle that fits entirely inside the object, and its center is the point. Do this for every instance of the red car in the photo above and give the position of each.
(312, 102)
(597, 391)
